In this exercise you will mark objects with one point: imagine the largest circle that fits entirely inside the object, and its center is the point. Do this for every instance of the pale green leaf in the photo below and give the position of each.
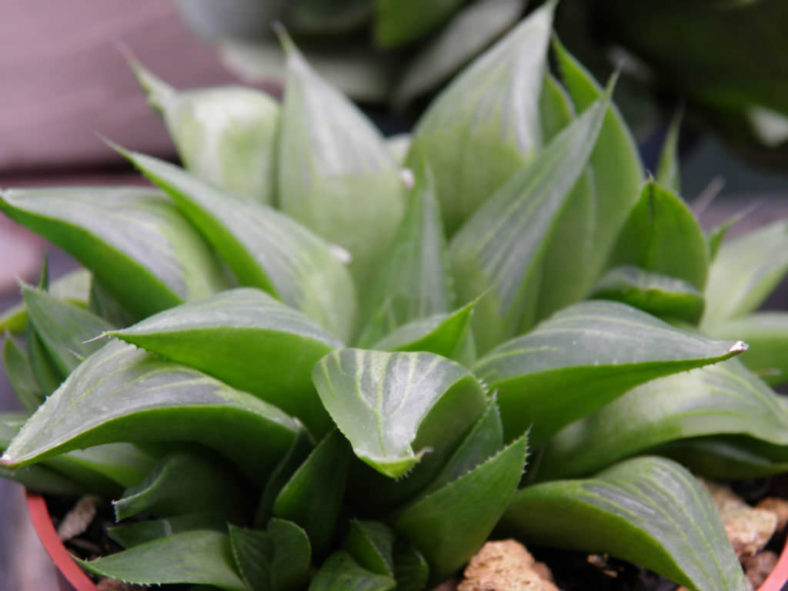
(668, 172)
(583, 358)
(394, 407)
(648, 511)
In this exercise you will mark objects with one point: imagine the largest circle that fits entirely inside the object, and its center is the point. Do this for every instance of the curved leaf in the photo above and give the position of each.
(393, 407)
(132, 239)
(668, 173)
(662, 235)
(659, 295)
(371, 544)
(123, 394)
(327, 16)
(141, 532)
(20, 375)
(198, 557)
(336, 175)
(499, 250)
(584, 357)
(485, 126)
(340, 572)
(225, 135)
(396, 26)
(450, 524)
(719, 399)
(649, 511)
(264, 248)
(228, 334)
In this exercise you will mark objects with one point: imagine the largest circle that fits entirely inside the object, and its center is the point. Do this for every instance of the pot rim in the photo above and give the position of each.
(73, 573)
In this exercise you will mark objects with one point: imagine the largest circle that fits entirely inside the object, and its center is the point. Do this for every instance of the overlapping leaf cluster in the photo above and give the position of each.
(326, 369)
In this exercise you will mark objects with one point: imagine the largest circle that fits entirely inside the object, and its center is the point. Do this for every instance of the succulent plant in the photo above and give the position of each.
(330, 375)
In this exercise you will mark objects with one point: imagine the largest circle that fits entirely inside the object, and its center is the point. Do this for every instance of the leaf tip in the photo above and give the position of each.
(6, 460)
(287, 43)
(739, 347)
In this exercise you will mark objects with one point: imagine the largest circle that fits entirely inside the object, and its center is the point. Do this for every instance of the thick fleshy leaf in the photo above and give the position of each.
(662, 235)
(468, 32)
(73, 287)
(584, 357)
(133, 240)
(201, 557)
(65, 329)
(719, 399)
(649, 511)
(264, 248)
(340, 573)
(450, 524)
(277, 559)
(744, 273)
(227, 336)
(123, 394)
(298, 452)
(448, 335)
(767, 335)
(336, 175)
(410, 567)
(668, 173)
(20, 375)
(184, 483)
(485, 126)
(615, 160)
(393, 407)
(396, 26)
(499, 250)
(411, 280)
(659, 295)
(225, 135)
(141, 532)
(45, 372)
(325, 470)
(371, 544)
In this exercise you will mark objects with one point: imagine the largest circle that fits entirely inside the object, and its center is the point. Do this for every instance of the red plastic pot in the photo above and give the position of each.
(73, 578)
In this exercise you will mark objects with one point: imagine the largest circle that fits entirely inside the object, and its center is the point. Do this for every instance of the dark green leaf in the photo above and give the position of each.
(584, 357)
(123, 394)
(133, 240)
(229, 334)
(410, 567)
(264, 248)
(499, 250)
(325, 470)
(103, 303)
(662, 235)
(393, 407)
(396, 26)
(142, 532)
(20, 376)
(194, 557)
(45, 372)
(485, 126)
(659, 295)
(371, 544)
(668, 173)
(341, 573)
(327, 16)
(450, 524)
(648, 511)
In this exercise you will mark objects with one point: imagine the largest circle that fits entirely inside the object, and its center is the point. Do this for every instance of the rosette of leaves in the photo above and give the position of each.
(336, 384)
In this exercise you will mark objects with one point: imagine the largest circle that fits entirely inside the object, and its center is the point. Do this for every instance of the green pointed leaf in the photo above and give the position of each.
(336, 175)
(141, 532)
(45, 372)
(20, 376)
(668, 173)
(103, 303)
(744, 273)
(499, 250)
(411, 570)
(277, 559)
(340, 573)
(396, 26)
(73, 287)
(767, 335)
(411, 280)
(719, 399)
(132, 239)
(65, 329)
(371, 544)
(716, 235)
(468, 32)
(615, 160)
(325, 470)
(659, 295)
(449, 525)
(662, 235)
(184, 483)
(123, 394)
(448, 335)
(228, 334)
(649, 511)
(264, 248)
(393, 407)
(298, 452)
(485, 126)
(192, 557)
(225, 135)
(583, 358)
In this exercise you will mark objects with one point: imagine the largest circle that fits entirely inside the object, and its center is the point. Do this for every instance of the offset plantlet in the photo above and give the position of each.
(358, 389)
